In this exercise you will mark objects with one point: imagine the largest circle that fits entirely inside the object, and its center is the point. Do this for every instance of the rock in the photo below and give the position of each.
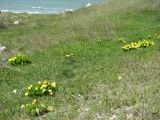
(119, 78)
(88, 4)
(14, 91)
(2, 48)
(129, 116)
(4, 59)
(17, 22)
(128, 109)
(114, 117)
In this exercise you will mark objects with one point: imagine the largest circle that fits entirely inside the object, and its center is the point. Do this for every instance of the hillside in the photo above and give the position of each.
(100, 80)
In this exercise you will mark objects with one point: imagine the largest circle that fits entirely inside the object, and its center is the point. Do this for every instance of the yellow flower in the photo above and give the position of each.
(34, 101)
(37, 110)
(44, 86)
(50, 108)
(43, 90)
(12, 59)
(53, 84)
(39, 82)
(27, 104)
(45, 82)
(29, 87)
(50, 91)
(68, 55)
(124, 41)
(26, 94)
(42, 105)
(22, 106)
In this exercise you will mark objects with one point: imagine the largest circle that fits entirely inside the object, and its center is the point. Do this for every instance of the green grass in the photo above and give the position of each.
(88, 87)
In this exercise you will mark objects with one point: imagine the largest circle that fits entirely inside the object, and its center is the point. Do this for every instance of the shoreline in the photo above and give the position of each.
(38, 12)
(45, 12)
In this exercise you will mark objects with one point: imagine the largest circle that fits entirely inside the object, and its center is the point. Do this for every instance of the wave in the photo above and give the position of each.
(33, 12)
(10, 11)
(39, 8)
(29, 12)
(68, 10)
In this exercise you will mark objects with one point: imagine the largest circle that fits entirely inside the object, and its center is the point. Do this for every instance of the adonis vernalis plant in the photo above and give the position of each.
(139, 44)
(19, 60)
(36, 108)
(41, 88)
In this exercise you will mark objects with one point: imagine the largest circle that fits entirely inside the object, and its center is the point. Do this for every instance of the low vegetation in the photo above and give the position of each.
(19, 60)
(36, 108)
(82, 52)
(137, 45)
(41, 88)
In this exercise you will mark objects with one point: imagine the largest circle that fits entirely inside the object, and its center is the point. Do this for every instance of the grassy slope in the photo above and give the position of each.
(88, 88)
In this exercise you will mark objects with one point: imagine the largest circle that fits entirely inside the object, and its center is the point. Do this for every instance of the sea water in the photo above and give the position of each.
(43, 6)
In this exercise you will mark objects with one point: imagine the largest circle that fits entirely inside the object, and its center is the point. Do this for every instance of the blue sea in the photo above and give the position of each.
(43, 6)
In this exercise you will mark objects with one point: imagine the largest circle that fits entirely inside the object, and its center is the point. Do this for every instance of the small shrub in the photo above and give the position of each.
(122, 40)
(41, 88)
(2, 26)
(19, 60)
(68, 72)
(69, 65)
(70, 59)
(139, 44)
(154, 36)
(36, 108)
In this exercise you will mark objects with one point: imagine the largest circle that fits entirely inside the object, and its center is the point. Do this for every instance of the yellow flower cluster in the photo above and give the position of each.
(12, 59)
(41, 88)
(68, 55)
(139, 44)
(19, 60)
(36, 108)
(50, 108)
